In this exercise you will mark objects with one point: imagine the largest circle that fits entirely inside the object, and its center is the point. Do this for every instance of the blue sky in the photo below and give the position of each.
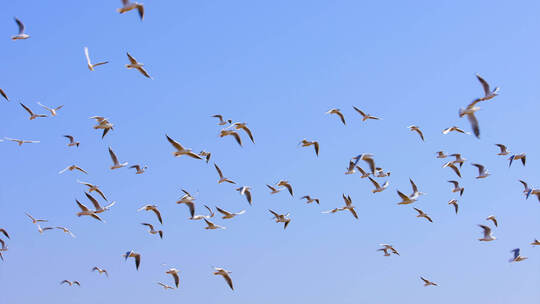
(279, 67)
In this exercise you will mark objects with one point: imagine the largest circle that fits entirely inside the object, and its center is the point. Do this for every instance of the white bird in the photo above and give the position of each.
(349, 206)
(482, 171)
(89, 63)
(378, 188)
(100, 270)
(440, 154)
(379, 172)
(86, 211)
(487, 234)
(232, 133)
(104, 124)
(174, 272)
(314, 143)
(517, 257)
(222, 179)
(364, 115)
(41, 230)
(469, 111)
(455, 204)
(334, 210)
(199, 217)
(116, 163)
(286, 184)
(227, 214)
(453, 128)
(405, 200)
(453, 166)
(458, 159)
(350, 168)
(521, 156)
(212, 226)
(243, 126)
(136, 256)
(504, 150)
(273, 190)
(310, 200)
(457, 188)
(153, 231)
(417, 130)
(21, 35)
(35, 221)
(71, 168)
(281, 218)
(245, 190)
(72, 141)
(428, 282)
(93, 188)
(140, 170)
(70, 283)
(415, 194)
(97, 206)
(32, 115)
(187, 198)
(22, 141)
(338, 113)
(128, 6)
(137, 65)
(206, 155)
(52, 110)
(65, 230)
(488, 93)
(165, 286)
(225, 274)
(493, 219)
(422, 214)
(154, 209)
(181, 150)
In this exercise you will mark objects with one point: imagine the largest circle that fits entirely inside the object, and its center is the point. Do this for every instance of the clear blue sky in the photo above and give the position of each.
(279, 66)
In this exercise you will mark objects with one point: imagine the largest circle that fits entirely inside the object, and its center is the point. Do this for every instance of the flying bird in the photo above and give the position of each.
(281, 218)
(243, 126)
(140, 170)
(422, 214)
(232, 133)
(21, 35)
(364, 115)
(428, 282)
(128, 6)
(104, 124)
(227, 214)
(32, 115)
(487, 234)
(535, 242)
(310, 200)
(440, 154)
(469, 111)
(286, 184)
(41, 230)
(493, 219)
(86, 211)
(517, 257)
(458, 159)
(454, 128)
(137, 65)
(454, 203)
(222, 121)
(52, 110)
(521, 156)
(154, 209)
(181, 150)
(417, 130)
(246, 191)
(378, 188)
(457, 188)
(194, 217)
(222, 179)
(386, 248)
(65, 230)
(100, 271)
(165, 286)
(504, 150)
(349, 206)
(488, 93)
(116, 163)
(212, 226)
(136, 256)
(70, 283)
(22, 141)
(307, 143)
(225, 274)
(482, 171)
(350, 168)
(93, 188)
(97, 206)
(153, 231)
(451, 165)
(174, 272)
(72, 141)
(71, 168)
(34, 220)
(273, 190)
(89, 63)
(338, 113)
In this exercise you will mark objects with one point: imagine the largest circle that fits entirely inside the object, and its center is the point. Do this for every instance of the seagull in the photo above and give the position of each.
(387, 247)
(70, 283)
(273, 190)
(285, 184)
(440, 154)
(153, 231)
(517, 257)
(32, 115)
(72, 141)
(100, 271)
(90, 65)
(22, 141)
(232, 133)
(21, 35)
(229, 215)
(487, 234)
(364, 115)
(245, 190)
(140, 170)
(35, 221)
(41, 230)
(482, 171)
(96, 204)
(469, 111)
(52, 110)
(415, 194)
(211, 225)
(455, 204)
(504, 150)
(187, 198)
(116, 163)
(380, 173)
(307, 143)
(488, 93)
(349, 206)
(417, 130)
(221, 178)
(136, 256)
(535, 242)
(128, 6)
(225, 274)
(310, 200)
(4, 94)
(521, 156)
(338, 113)
(454, 128)
(386, 253)
(181, 150)
(165, 286)
(243, 126)
(199, 217)
(368, 158)
(428, 282)
(154, 209)
(86, 211)
(136, 65)
(457, 188)
(103, 123)
(222, 122)
(350, 169)
(93, 188)
(493, 219)
(459, 160)
(364, 173)
(281, 218)
(71, 168)
(405, 200)
(174, 272)
(206, 155)
(65, 230)
(334, 210)
(422, 214)
(451, 165)
(378, 188)
(4, 232)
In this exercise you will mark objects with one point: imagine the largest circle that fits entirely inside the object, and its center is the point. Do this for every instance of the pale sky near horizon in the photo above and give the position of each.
(278, 66)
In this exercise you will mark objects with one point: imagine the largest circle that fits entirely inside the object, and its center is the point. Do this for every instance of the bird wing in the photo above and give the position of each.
(274, 213)
(371, 164)
(83, 207)
(27, 109)
(524, 185)
(248, 131)
(484, 84)
(131, 59)
(402, 196)
(4, 94)
(140, 9)
(157, 214)
(341, 117)
(487, 230)
(353, 213)
(44, 106)
(359, 111)
(113, 156)
(480, 168)
(174, 143)
(271, 188)
(414, 188)
(71, 139)
(94, 201)
(144, 72)
(176, 279)
(455, 169)
(191, 207)
(374, 182)
(420, 212)
(474, 124)
(289, 187)
(209, 210)
(20, 25)
(148, 225)
(316, 146)
(218, 171)
(228, 280)
(223, 211)
(4, 232)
